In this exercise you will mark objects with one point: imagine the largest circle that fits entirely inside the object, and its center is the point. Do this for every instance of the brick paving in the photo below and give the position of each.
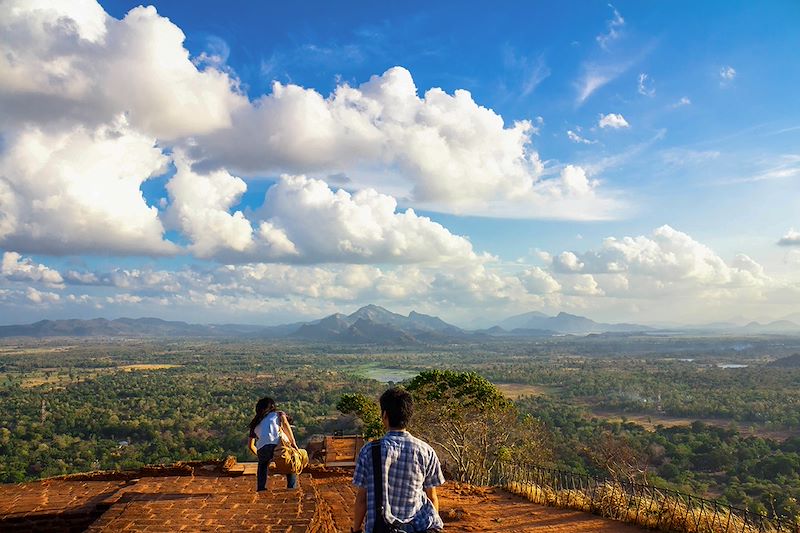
(467, 509)
(54, 505)
(338, 496)
(218, 503)
(221, 498)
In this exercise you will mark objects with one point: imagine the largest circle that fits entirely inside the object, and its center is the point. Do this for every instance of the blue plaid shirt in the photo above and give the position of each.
(409, 466)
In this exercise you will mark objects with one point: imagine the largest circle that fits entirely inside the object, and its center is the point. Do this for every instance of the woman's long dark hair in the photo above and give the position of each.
(264, 406)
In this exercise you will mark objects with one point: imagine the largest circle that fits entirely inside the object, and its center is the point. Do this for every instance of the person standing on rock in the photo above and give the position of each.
(409, 474)
(265, 435)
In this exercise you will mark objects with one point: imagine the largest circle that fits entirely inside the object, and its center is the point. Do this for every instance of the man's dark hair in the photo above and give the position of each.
(398, 406)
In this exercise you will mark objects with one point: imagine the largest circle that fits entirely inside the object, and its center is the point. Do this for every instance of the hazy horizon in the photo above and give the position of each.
(266, 164)
(487, 322)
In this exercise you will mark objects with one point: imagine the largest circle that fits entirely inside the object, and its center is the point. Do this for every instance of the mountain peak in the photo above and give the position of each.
(373, 307)
(375, 313)
(370, 309)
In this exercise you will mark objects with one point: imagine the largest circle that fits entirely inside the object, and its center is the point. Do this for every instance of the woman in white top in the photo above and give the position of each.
(265, 435)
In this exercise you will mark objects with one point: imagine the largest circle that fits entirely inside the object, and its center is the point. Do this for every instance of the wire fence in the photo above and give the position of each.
(637, 503)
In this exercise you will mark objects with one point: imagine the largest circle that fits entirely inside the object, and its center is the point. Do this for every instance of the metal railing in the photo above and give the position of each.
(637, 503)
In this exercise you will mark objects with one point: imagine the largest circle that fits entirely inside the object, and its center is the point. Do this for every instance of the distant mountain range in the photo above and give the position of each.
(564, 323)
(134, 327)
(371, 324)
(374, 324)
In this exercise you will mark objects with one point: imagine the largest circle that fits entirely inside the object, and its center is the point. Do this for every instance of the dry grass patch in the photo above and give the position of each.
(146, 366)
(516, 391)
(651, 421)
(654, 510)
(33, 350)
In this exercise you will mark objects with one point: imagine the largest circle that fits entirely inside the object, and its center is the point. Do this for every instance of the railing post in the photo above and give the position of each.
(592, 501)
(661, 510)
(640, 496)
(728, 523)
(688, 506)
(699, 516)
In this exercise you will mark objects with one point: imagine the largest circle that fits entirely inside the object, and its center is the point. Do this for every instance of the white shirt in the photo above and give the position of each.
(268, 430)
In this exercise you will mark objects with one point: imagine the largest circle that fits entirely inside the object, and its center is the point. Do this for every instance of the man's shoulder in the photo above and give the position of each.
(421, 443)
(366, 449)
(416, 442)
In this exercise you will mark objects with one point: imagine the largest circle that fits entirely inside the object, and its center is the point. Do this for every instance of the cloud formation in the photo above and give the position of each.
(327, 225)
(73, 76)
(614, 27)
(727, 74)
(612, 120)
(41, 297)
(16, 268)
(78, 191)
(302, 220)
(662, 272)
(597, 75)
(792, 238)
(71, 62)
(576, 138)
(439, 151)
(667, 257)
(529, 71)
(645, 86)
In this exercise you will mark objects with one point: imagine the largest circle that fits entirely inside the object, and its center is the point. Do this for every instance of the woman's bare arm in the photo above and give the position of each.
(287, 428)
(251, 445)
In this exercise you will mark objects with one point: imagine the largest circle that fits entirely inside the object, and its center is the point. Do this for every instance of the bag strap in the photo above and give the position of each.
(377, 481)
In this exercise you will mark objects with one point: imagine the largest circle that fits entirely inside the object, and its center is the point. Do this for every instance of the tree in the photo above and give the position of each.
(364, 408)
(618, 455)
(472, 425)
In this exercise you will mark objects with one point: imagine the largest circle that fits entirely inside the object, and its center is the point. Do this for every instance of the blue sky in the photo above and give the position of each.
(581, 121)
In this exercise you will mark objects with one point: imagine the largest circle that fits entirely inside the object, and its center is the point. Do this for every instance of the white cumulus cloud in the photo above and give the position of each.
(201, 206)
(612, 120)
(41, 297)
(79, 191)
(586, 285)
(327, 225)
(792, 238)
(303, 220)
(70, 61)
(68, 66)
(667, 256)
(91, 106)
(438, 151)
(17, 268)
(567, 262)
(538, 281)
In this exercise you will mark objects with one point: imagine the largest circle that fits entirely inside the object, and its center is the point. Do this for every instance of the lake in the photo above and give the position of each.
(385, 375)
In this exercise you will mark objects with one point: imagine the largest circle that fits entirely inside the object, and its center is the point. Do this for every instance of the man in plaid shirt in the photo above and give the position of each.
(411, 473)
